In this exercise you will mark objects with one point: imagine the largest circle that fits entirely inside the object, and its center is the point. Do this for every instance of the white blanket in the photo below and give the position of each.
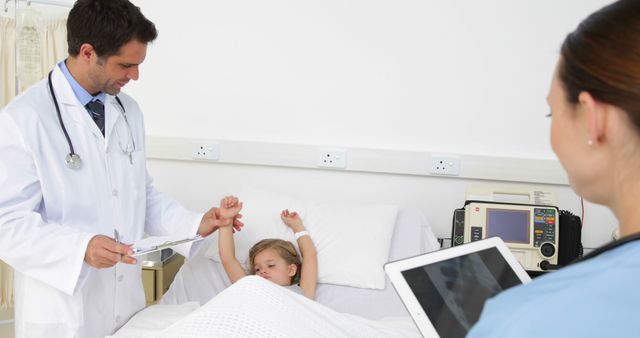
(256, 307)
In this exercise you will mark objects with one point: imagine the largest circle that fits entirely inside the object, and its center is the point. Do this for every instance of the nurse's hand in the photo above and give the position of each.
(211, 221)
(104, 252)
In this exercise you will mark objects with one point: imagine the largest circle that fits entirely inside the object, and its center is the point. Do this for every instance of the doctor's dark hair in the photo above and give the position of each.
(602, 57)
(283, 248)
(107, 25)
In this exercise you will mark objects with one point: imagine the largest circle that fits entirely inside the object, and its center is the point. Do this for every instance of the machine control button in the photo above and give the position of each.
(547, 249)
(476, 233)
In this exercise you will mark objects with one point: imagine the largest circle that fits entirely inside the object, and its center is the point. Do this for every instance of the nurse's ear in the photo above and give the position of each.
(596, 117)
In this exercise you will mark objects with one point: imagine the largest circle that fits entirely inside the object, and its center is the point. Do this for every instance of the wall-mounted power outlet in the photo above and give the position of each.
(445, 165)
(205, 151)
(332, 158)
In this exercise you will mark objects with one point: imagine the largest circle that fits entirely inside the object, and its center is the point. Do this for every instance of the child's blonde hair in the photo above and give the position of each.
(283, 248)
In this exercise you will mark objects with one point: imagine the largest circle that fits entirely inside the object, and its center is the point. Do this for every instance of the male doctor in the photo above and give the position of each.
(73, 174)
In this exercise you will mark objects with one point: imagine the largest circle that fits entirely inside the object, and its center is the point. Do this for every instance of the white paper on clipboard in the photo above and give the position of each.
(156, 243)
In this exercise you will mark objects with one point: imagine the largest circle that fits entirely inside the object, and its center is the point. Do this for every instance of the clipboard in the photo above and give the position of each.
(140, 248)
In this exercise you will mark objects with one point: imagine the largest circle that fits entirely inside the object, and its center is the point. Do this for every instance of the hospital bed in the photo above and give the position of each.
(342, 307)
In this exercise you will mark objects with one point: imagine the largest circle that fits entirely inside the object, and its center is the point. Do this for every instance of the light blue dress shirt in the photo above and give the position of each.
(599, 297)
(82, 94)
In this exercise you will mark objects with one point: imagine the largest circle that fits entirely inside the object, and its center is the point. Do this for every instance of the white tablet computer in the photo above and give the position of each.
(444, 291)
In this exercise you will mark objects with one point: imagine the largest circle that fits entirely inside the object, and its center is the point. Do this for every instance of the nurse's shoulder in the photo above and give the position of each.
(570, 302)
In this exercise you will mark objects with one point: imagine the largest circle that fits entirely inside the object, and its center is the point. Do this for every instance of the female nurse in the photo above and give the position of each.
(595, 132)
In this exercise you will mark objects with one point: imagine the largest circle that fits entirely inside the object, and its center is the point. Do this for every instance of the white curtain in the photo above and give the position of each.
(54, 44)
(52, 36)
(7, 63)
(7, 92)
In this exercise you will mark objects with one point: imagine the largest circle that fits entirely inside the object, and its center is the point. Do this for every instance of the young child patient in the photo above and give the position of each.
(273, 259)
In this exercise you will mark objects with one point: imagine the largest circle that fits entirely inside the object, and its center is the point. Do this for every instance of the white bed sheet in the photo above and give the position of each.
(200, 279)
(255, 307)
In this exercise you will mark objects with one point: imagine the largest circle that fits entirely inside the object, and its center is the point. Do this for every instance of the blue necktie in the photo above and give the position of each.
(96, 109)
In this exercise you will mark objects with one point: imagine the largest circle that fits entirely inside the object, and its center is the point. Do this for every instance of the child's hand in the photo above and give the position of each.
(292, 220)
(230, 206)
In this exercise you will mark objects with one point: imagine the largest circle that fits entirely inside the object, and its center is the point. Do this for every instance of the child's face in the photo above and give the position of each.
(268, 264)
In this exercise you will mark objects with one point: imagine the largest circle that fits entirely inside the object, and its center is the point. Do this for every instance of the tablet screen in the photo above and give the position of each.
(452, 292)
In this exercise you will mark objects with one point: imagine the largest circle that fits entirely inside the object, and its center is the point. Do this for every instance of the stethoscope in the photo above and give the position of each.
(72, 160)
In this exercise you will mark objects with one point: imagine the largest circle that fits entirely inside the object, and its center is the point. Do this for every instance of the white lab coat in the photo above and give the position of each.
(48, 212)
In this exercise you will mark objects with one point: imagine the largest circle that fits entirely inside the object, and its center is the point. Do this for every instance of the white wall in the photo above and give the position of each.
(461, 76)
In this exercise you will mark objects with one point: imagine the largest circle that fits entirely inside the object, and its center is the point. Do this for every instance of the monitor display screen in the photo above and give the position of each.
(452, 292)
(511, 225)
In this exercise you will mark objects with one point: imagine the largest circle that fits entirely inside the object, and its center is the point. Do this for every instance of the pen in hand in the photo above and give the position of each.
(116, 236)
(123, 250)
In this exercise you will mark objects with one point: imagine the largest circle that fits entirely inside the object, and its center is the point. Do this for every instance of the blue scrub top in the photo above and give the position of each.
(599, 297)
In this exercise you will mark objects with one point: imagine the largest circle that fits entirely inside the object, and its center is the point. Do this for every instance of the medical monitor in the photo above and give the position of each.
(530, 231)
(512, 226)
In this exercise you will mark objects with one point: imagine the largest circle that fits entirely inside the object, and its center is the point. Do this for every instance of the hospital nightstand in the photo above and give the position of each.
(157, 276)
(6, 323)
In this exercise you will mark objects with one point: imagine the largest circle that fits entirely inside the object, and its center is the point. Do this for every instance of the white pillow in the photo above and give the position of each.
(352, 241)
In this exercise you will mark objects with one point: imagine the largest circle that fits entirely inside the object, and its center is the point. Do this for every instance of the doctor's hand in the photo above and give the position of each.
(212, 220)
(103, 252)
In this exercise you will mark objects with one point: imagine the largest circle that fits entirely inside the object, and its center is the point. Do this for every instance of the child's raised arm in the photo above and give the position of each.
(229, 207)
(309, 273)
